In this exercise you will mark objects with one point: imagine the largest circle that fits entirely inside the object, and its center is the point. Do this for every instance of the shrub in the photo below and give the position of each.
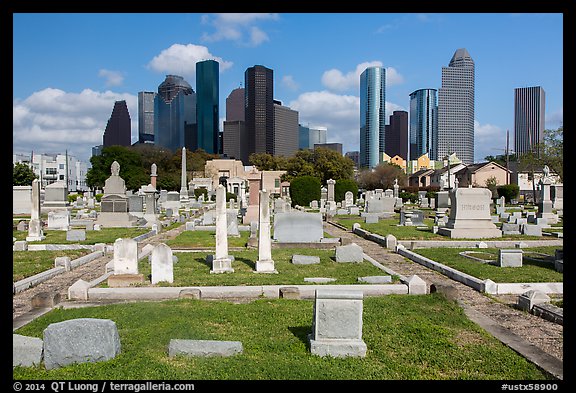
(201, 191)
(72, 197)
(408, 196)
(305, 189)
(342, 186)
(98, 197)
(508, 191)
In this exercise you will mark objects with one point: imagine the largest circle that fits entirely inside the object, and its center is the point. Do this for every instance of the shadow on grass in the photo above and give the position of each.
(251, 264)
(301, 333)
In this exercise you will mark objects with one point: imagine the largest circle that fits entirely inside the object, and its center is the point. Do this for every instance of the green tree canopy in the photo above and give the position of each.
(304, 189)
(22, 174)
(322, 163)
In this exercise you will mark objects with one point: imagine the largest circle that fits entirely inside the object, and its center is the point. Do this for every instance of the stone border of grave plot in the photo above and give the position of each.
(486, 286)
(36, 279)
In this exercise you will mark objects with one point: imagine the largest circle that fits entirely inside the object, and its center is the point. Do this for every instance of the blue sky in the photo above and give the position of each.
(68, 69)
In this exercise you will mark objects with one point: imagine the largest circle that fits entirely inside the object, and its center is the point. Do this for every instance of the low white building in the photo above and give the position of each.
(50, 168)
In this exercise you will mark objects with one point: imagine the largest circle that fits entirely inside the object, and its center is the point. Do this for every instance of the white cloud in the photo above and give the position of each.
(113, 78)
(489, 140)
(53, 121)
(336, 80)
(181, 59)
(339, 113)
(289, 82)
(555, 119)
(237, 27)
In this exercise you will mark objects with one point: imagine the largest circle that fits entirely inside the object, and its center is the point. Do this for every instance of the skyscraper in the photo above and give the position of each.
(372, 112)
(146, 116)
(423, 124)
(234, 135)
(397, 135)
(118, 130)
(285, 130)
(259, 110)
(310, 136)
(207, 101)
(175, 114)
(529, 116)
(456, 108)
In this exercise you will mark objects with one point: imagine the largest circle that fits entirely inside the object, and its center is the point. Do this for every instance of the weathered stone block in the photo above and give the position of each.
(204, 348)
(26, 351)
(305, 259)
(349, 253)
(80, 341)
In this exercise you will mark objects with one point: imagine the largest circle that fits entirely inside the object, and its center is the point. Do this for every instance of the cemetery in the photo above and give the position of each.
(294, 301)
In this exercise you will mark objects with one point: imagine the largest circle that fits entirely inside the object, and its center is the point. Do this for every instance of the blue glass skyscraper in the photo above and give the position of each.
(207, 87)
(175, 114)
(423, 124)
(372, 115)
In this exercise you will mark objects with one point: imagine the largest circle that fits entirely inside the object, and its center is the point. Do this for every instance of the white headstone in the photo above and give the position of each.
(162, 264)
(125, 256)
(265, 263)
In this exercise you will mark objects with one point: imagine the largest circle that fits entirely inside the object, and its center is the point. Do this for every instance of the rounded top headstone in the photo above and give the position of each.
(115, 168)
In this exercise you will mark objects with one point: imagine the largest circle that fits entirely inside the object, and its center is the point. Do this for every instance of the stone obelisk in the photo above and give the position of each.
(184, 183)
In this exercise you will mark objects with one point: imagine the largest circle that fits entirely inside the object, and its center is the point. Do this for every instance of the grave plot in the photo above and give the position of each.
(412, 344)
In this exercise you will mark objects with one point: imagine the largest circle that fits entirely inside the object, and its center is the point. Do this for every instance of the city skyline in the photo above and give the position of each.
(65, 85)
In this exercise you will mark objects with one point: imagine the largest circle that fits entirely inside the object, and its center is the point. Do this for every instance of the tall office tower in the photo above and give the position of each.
(146, 116)
(118, 130)
(456, 108)
(235, 105)
(234, 135)
(529, 115)
(354, 156)
(372, 115)
(175, 114)
(285, 130)
(397, 135)
(423, 124)
(207, 101)
(310, 136)
(259, 110)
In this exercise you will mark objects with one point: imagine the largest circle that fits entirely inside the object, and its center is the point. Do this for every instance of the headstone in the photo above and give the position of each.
(115, 184)
(265, 263)
(391, 242)
(376, 279)
(56, 195)
(135, 204)
(203, 348)
(557, 196)
(35, 232)
(26, 351)
(442, 199)
(371, 218)
(221, 262)
(330, 194)
(76, 235)
(382, 205)
(20, 245)
(349, 253)
(510, 229)
(349, 198)
(337, 324)
(21, 199)
(470, 215)
(125, 256)
(314, 204)
(510, 257)
(305, 259)
(80, 341)
(298, 227)
(22, 226)
(531, 230)
(162, 264)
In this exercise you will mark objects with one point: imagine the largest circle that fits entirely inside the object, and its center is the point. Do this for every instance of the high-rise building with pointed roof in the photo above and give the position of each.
(175, 114)
(456, 108)
(119, 129)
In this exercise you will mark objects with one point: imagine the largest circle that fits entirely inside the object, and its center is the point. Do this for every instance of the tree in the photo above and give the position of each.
(22, 174)
(344, 185)
(267, 162)
(508, 191)
(382, 176)
(131, 169)
(321, 162)
(492, 183)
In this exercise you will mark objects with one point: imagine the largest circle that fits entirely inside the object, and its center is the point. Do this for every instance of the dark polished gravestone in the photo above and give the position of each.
(114, 204)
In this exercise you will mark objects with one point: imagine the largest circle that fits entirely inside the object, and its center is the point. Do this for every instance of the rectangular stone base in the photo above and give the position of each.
(338, 348)
(124, 280)
(266, 266)
(223, 265)
(470, 233)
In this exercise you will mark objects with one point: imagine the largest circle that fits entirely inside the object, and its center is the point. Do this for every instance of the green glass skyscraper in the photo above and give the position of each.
(207, 99)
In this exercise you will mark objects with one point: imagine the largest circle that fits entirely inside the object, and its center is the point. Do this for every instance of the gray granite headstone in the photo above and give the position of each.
(349, 253)
(26, 351)
(75, 235)
(298, 227)
(79, 341)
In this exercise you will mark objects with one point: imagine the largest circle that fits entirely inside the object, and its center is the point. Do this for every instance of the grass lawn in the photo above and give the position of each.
(205, 239)
(28, 263)
(105, 235)
(192, 270)
(408, 338)
(386, 226)
(531, 271)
